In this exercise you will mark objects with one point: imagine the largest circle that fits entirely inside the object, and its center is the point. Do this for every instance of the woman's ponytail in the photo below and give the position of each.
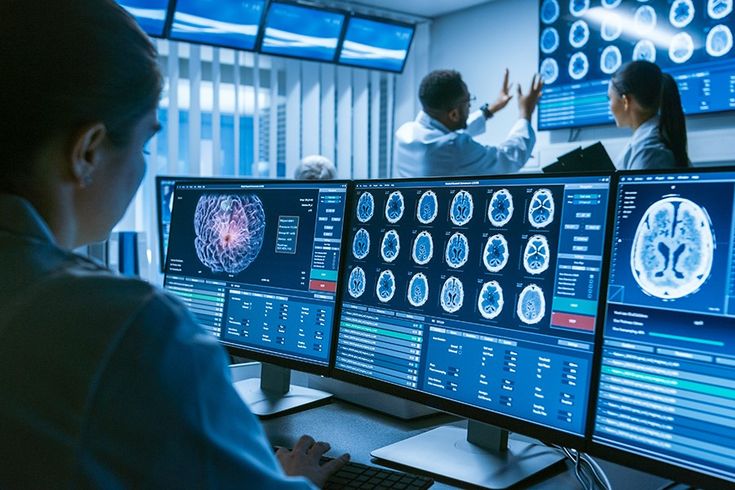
(672, 125)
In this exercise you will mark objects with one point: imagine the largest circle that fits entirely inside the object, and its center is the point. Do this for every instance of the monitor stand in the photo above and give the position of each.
(480, 455)
(273, 394)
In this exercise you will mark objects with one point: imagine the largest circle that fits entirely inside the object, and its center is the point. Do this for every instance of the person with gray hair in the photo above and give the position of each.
(315, 167)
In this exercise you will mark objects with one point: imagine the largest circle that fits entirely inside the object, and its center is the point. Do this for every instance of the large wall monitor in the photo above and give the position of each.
(667, 381)
(377, 44)
(582, 43)
(227, 23)
(302, 32)
(150, 14)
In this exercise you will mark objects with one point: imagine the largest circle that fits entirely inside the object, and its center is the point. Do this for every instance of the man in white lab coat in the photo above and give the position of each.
(439, 142)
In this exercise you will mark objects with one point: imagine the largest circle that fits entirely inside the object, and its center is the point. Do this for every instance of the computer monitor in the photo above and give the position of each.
(164, 203)
(150, 14)
(666, 397)
(303, 32)
(376, 43)
(226, 23)
(257, 263)
(478, 296)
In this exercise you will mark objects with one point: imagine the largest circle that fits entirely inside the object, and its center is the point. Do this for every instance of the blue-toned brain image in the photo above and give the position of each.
(610, 60)
(428, 207)
(531, 305)
(579, 66)
(418, 290)
(423, 248)
(612, 27)
(579, 34)
(490, 301)
(365, 207)
(719, 9)
(229, 231)
(452, 295)
(549, 11)
(541, 209)
(611, 4)
(681, 13)
(361, 244)
(549, 40)
(549, 70)
(356, 283)
(644, 20)
(394, 207)
(719, 41)
(390, 246)
(536, 256)
(462, 208)
(578, 7)
(500, 210)
(644, 50)
(457, 251)
(673, 249)
(681, 48)
(386, 287)
(495, 255)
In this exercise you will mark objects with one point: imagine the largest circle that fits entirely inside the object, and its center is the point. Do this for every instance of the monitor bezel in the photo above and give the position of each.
(629, 458)
(381, 20)
(283, 360)
(533, 429)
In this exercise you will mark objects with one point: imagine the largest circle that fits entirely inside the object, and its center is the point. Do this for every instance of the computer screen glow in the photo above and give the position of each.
(150, 14)
(372, 44)
(228, 23)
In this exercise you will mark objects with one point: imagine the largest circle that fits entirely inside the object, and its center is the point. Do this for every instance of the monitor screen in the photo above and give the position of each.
(371, 43)
(483, 293)
(257, 264)
(150, 14)
(667, 376)
(164, 204)
(227, 23)
(582, 43)
(302, 32)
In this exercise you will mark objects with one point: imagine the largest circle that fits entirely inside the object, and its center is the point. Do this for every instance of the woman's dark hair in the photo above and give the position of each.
(67, 63)
(656, 91)
(440, 90)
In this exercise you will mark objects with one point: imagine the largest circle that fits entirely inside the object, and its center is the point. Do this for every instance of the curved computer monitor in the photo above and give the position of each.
(478, 296)
(151, 15)
(666, 398)
(375, 43)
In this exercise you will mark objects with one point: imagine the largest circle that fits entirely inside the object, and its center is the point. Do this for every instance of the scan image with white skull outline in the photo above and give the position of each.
(390, 246)
(462, 208)
(490, 302)
(531, 306)
(428, 208)
(356, 282)
(457, 251)
(423, 248)
(365, 207)
(452, 295)
(386, 286)
(418, 290)
(394, 207)
(361, 244)
(495, 255)
(541, 208)
(500, 210)
(537, 255)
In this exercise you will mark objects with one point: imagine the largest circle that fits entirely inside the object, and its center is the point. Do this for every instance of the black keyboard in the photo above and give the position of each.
(356, 475)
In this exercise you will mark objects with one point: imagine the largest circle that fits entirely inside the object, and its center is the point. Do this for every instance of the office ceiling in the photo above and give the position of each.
(422, 8)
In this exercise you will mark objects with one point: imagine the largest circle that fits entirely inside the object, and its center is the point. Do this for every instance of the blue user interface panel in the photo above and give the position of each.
(667, 386)
(228, 23)
(302, 32)
(258, 264)
(480, 292)
(150, 14)
(165, 194)
(582, 43)
(379, 45)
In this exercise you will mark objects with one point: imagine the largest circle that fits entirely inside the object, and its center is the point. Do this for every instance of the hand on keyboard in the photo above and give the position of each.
(304, 460)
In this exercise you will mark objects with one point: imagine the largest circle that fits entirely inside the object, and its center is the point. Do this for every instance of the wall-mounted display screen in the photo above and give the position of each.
(302, 32)
(582, 43)
(228, 23)
(150, 14)
(374, 44)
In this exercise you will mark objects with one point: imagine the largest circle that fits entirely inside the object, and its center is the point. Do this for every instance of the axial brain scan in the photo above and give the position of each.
(452, 295)
(390, 246)
(356, 283)
(229, 231)
(644, 20)
(578, 7)
(462, 208)
(579, 65)
(531, 305)
(490, 302)
(644, 50)
(681, 48)
(500, 210)
(579, 34)
(549, 70)
(495, 255)
(536, 255)
(361, 244)
(365, 207)
(428, 207)
(386, 287)
(418, 290)
(549, 40)
(394, 207)
(610, 60)
(541, 210)
(549, 11)
(719, 9)
(681, 13)
(673, 249)
(423, 248)
(457, 251)
(719, 40)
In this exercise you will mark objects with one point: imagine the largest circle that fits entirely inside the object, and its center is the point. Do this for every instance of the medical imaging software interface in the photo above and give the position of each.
(372, 44)
(667, 386)
(583, 42)
(482, 292)
(257, 264)
(229, 23)
(150, 14)
(166, 195)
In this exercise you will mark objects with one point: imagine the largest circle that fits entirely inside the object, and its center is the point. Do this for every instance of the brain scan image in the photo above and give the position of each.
(531, 304)
(673, 249)
(719, 40)
(578, 7)
(386, 287)
(536, 256)
(365, 207)
(229, 231)
(490, 301)
(549, 40)
(681, 13)
(579, 34)
(394, 207)
(611, 4)
(500, 210)
(549, 11)
(428, 207)
(462, 208)
(578, 66)
(549, 71)
(356, 283)
(681, 48)
(390, 246)
(612, 27)
(452, 295)
(495, 254)
(610, 60)
(644, 20)
(719, 9)
(423, 248)
(361, 244)
(418, 290)
(457, 251)
(644, 50)
(541, 210)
